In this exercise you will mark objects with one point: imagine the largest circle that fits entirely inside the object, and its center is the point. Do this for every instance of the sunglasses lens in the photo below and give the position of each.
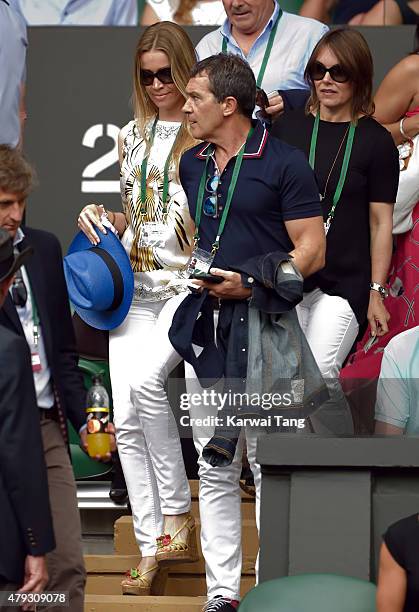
(317, 71)
(165, 75)
(19, 294)
(338, 74)
(146, 77)
(210, 206)
(261, 99)
(212, 183)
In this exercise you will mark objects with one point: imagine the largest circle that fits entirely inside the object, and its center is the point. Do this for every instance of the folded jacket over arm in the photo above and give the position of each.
(260, 347)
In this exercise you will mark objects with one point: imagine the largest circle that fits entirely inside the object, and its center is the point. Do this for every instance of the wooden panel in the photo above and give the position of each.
(190, 585)
(119, 564)
(126, 603)
(125, 543)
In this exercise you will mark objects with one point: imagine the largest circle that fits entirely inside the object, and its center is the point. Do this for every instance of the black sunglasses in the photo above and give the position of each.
(211, 201)
(19, 291)
(261, 99)
(337, 73)
(164, 75)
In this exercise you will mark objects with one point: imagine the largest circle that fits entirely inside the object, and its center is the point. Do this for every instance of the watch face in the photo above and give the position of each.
(381, 290)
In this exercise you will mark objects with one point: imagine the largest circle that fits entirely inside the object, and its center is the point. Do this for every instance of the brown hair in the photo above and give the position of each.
(171, 39)
(16, 175)
(354, 55)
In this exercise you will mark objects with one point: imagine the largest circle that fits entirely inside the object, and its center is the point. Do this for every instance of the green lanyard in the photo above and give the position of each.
(143, 209)
(231, 188)
(345, 163)
(267, 50)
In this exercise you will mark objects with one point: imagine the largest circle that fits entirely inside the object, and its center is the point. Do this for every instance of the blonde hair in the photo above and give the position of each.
(175, 43)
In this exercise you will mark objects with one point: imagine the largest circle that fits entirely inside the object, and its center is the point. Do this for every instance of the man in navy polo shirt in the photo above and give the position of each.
(250, 194)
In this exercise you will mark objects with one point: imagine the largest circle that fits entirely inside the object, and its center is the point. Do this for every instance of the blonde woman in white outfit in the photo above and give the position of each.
(184, 12)
(157, 231)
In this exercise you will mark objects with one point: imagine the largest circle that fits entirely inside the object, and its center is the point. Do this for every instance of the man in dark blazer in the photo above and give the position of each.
(26, 533)
(37, 309)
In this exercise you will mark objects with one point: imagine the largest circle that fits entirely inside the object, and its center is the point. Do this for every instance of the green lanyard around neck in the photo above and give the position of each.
(345, 163)
(143, 209)
(267, 50)
(230, 193)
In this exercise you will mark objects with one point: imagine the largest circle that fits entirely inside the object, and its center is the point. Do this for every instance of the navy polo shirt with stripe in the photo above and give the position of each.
(275, 184)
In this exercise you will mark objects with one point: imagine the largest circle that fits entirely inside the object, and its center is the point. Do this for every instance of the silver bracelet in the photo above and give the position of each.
(402, 132)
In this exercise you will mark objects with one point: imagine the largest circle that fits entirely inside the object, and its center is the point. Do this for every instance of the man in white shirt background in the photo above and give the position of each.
(397, 405)
(251, 28)
(13, 44)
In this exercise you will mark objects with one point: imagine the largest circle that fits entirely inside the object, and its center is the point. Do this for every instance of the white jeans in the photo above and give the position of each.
(141, 358)
(330, 327)
(220, 502)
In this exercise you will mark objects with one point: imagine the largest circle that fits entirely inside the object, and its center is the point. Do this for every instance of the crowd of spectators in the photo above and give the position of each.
(206, 12)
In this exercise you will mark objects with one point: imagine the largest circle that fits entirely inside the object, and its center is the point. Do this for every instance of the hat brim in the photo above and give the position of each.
(18, 262)
(113, 318)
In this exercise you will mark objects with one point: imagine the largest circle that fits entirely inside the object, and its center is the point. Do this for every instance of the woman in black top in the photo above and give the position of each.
(398, 578)
(356, 167)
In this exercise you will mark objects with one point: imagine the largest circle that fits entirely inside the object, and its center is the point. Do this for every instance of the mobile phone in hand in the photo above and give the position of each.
(209, 278)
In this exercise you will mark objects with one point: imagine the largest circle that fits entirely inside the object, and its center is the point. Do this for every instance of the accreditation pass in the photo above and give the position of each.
(13, 598)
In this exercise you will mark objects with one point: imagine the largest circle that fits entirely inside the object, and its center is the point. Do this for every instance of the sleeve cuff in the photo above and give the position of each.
(385, 418)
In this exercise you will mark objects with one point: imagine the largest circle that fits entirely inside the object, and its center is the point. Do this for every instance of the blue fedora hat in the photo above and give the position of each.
(100, 280)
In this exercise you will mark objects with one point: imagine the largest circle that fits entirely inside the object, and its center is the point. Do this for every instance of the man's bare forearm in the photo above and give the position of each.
(317, 9)
(309, 242)
(307, 259)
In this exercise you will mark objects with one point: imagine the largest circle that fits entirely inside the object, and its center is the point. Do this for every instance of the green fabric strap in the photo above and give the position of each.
(345, 163)
(140, 9)
(143, 209)
(230, 193)
(267, 50)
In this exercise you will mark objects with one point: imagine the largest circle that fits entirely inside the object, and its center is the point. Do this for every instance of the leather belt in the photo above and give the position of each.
(48, 414)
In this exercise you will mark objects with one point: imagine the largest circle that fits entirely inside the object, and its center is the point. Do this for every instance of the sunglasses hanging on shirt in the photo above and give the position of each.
(18, 290)
(337, 73)
(210, 205)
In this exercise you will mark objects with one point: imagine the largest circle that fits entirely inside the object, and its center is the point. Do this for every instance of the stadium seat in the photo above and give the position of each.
(83, 466)
(311, 593)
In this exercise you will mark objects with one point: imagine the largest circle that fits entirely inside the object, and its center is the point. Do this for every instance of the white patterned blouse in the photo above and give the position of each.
(158, 270)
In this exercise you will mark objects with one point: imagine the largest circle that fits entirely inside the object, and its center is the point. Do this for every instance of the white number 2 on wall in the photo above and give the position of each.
(105, 161)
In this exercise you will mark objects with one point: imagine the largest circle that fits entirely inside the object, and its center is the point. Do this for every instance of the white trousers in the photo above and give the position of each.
(140, 359)
(330, 327)
(220, 501)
